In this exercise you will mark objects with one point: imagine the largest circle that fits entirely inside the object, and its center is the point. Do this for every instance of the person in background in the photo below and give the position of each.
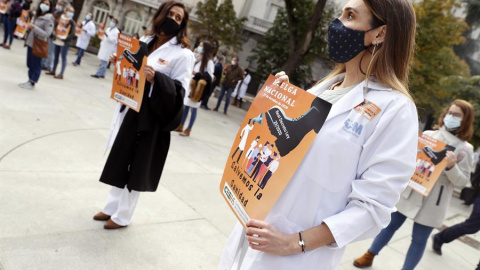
(233, 74)
(42, 28)
(202, 70)
(88, 31)
(10, 22)
(141, 140)
(241, 89)
(62, 45)
(57, 13)
(217, 76)
(107, 47)
(455, 128)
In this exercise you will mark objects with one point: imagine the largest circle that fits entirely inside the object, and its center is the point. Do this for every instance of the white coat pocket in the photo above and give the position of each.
(334, 163)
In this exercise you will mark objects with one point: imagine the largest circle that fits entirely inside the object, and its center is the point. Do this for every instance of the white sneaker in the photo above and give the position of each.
(27, 85)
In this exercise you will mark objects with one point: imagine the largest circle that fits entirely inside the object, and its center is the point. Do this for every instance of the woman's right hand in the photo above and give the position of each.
(113, 58)
(282, 76)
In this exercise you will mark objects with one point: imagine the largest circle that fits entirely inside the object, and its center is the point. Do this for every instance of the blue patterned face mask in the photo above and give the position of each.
(344, 43)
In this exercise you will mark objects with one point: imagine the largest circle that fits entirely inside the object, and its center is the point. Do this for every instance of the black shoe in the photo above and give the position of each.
(75, 64)
(437, 244)
(290, 132)
(95, 76)
(136, 58)
(437, 157)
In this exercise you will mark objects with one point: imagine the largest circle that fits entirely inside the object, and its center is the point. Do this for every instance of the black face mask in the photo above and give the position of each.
(344, 43)
(170, 27)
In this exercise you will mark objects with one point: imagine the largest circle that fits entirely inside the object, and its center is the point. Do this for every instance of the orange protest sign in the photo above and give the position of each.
(275, 135)
(63, 28)
(78, 29)
(3, 6)
(129, 81)
(101, 31)
(23, 21)
(430, 163)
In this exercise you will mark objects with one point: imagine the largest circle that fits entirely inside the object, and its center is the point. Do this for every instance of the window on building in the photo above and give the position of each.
(132, 23)
(100, 12)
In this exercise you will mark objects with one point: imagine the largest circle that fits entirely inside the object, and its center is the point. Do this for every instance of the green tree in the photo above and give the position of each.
(297, 37)
(438, 30)
(219, 24)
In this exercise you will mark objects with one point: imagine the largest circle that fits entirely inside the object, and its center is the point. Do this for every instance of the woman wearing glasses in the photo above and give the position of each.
(455, 128)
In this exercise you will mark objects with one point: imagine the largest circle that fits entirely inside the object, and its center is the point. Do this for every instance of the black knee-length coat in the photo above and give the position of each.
(141, 146)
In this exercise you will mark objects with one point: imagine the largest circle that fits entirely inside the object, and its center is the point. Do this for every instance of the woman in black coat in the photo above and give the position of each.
(140, 148)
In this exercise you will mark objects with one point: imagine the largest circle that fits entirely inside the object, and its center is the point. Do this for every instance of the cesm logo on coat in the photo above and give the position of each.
(353, 128)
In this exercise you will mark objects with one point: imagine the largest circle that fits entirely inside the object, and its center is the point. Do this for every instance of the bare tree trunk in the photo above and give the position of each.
(77, 5)
(298, 52)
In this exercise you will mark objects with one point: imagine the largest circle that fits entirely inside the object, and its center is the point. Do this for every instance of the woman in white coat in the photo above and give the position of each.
(88, 31)
(141, 140)
(359, 163)
(241, 89)
(455, 128)
(203, 69)
(107, 47)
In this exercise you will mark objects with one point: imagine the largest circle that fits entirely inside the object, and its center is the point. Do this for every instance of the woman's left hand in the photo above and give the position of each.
(30, 26)
(149, 73)
(264, 237)
(451, 159)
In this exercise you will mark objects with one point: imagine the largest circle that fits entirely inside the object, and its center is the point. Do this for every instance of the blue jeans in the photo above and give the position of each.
(417, 246)
(102, 69)
(34, 65)
(47, 62)
(8, 28)
(80, 55)
(469, 226)
(192, 118)
(220, 97)
(63, 50)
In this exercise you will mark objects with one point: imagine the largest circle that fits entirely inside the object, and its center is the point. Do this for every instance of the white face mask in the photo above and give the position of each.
(44, 7)
(452, 122)
(234, 63)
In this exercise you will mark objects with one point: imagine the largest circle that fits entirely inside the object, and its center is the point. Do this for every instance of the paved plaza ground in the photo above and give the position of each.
(52, 144)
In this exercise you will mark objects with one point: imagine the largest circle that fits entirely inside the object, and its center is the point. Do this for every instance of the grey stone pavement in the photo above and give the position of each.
(52, 143)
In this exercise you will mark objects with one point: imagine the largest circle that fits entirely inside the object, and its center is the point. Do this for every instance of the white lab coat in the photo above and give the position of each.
(84, 39)
(109, 44)
(350, 179)
(179, 63)
(209, 69)
(242, 87)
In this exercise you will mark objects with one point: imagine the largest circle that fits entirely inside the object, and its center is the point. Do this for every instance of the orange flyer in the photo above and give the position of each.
(430, 163)
(3, 6)
(275, 135)
(128, 80)
(78, 29)
(101, 31)
(22, 23)
(63, 28)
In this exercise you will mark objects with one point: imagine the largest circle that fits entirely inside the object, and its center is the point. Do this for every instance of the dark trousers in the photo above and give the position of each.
(241, 152)
(265, 179)
(256, 170)
(80, 55)
(8, 29)
(34, 65)
(223, 91)
(207, 94)
(63, 50)
(469, 226)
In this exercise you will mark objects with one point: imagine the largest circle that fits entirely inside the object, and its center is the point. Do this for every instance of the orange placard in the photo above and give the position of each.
(63, 28)
(275, 135)
(3, 6)
(430, 163)
(129, 81)
(78, 29)
(101, 31)
(23, 21)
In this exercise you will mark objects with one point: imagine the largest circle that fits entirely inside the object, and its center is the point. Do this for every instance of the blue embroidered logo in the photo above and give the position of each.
(353, 128)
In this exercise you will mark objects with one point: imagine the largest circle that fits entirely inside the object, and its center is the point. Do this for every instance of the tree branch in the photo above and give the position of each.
(292, 25)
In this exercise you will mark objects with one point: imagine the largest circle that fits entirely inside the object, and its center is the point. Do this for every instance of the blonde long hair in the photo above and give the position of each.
(391, 62)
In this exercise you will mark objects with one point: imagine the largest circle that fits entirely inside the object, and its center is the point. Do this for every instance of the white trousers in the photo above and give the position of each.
(121, 205)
